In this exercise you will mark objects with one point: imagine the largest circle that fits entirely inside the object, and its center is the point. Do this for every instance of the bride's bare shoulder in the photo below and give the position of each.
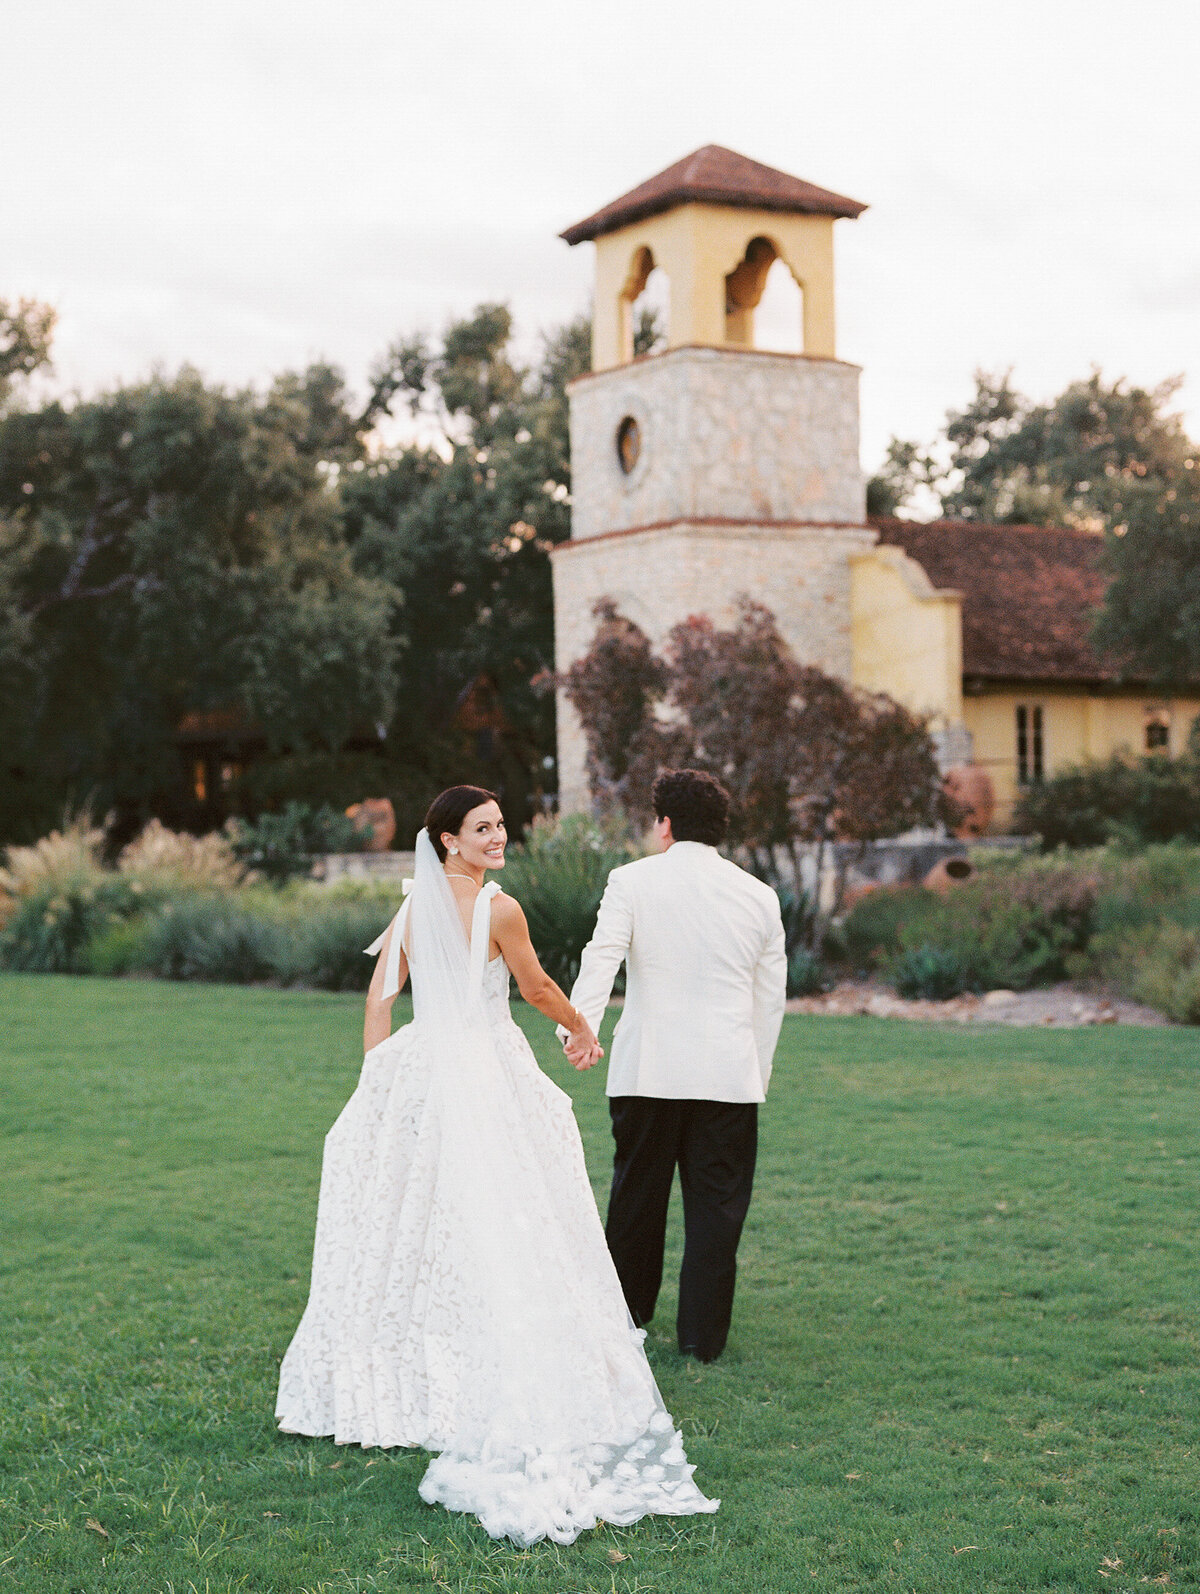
(506, 911)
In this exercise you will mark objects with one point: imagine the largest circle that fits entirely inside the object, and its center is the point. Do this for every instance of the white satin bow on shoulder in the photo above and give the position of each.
(391, 973)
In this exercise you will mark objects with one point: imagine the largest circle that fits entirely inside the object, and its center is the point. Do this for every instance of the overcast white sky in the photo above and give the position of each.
(248, 184)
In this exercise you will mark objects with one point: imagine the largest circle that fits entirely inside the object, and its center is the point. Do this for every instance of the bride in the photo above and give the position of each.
(462, 1294)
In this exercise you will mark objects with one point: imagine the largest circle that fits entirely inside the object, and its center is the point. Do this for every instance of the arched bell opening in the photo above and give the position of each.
(779, 316)
(763, 301)
(645, 309)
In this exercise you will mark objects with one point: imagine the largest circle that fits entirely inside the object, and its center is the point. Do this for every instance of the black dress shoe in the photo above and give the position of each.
(697, 1355)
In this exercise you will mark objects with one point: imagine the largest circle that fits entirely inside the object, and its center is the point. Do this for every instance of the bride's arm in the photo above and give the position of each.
(377, 1025)
(510, 931)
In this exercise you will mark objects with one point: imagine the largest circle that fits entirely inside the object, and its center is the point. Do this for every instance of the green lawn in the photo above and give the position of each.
(964, 1352)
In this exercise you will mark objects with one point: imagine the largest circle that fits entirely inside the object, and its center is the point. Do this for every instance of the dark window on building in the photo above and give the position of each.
(1031, 745)
(1158, 730)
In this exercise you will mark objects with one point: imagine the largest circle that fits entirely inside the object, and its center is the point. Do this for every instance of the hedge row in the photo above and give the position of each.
(179, 908)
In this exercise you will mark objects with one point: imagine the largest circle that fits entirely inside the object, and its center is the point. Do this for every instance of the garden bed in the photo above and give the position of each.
(1124, 925)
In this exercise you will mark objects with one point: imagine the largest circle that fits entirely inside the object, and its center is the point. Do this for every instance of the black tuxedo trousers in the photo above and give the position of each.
(714, 1145)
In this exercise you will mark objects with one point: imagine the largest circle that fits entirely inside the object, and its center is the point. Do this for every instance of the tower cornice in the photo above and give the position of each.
(706, 349)
(724, 526)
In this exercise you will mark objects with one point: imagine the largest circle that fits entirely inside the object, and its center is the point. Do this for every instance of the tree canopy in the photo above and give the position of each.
(168, 548)
(26, 330)
(1108, 457)
(374, 615)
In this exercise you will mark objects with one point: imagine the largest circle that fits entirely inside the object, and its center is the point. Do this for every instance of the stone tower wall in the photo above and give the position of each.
(660, 576)
(733, 434)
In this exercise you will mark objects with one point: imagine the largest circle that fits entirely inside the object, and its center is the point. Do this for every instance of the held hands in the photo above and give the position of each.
(582, 1049)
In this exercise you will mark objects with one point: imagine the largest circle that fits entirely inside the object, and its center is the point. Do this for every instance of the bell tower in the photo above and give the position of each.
(712, 469)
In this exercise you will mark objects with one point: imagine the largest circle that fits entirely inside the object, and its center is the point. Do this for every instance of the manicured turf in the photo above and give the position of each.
(964, 1352)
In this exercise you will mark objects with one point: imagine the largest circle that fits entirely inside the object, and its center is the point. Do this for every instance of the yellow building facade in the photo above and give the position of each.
(906, 635)
(907, 642)
(1002, 642)
(1023, 735)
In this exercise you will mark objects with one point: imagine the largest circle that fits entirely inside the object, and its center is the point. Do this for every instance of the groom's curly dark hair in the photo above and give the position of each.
(696, 804)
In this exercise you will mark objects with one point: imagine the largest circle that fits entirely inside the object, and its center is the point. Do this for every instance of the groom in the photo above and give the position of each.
(703, 946)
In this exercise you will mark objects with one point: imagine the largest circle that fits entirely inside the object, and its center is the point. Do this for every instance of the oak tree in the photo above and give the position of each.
(173, 547)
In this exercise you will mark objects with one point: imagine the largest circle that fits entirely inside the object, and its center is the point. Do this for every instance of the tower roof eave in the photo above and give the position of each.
(716, 176)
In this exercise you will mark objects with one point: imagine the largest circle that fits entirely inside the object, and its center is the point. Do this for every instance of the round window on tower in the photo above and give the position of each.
(629, 444)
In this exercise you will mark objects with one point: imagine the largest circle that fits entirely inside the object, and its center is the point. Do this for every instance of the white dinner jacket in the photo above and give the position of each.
(706, 975)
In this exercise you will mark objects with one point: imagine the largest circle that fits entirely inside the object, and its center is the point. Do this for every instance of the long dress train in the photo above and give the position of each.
(462, 1297)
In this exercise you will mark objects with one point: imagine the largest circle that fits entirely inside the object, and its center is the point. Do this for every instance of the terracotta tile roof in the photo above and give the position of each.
(1029, 593)
(716, 176)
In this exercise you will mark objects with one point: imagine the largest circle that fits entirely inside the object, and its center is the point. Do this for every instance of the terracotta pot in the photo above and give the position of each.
(947, 874)
(377, 817)
(971, 787)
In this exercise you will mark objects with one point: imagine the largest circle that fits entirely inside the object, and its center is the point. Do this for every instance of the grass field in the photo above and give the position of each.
(964, 1353)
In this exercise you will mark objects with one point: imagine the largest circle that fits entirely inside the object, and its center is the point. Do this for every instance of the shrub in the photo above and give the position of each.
(1183, 998)
(1060, 896)
(54, 922)
(1164, 970)
(1158, 964)
(558, 877)
(1151, 799)
(165, 860)
(1021, 922)
(118, 949)
(805, 972)
(1146, 887)
(281, 846)
(325, 947)
(1016, 926)
(870, 932)
(69, 858)
(934, 973)
(796, 911)
(209, 937)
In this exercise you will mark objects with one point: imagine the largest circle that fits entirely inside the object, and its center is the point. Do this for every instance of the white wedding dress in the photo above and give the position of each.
(462, 1297)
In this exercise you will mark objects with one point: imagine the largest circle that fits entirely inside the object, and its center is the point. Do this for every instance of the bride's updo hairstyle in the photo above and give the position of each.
(448, 810)
(696, 804)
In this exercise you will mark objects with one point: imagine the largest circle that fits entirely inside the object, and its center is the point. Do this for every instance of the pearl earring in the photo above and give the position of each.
(454, 850)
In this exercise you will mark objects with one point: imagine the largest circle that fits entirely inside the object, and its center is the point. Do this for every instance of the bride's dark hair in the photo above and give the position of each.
(448, 810)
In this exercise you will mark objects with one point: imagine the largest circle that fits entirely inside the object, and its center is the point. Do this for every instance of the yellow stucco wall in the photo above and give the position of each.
(697, 247)
(906, 635)
(906, 640)
(1077, 727)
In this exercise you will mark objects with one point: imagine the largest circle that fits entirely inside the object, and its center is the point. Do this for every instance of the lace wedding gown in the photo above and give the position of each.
(462, 1297)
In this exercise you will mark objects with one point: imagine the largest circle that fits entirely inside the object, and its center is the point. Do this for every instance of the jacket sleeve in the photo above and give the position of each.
(770, 993)
(604, 953)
